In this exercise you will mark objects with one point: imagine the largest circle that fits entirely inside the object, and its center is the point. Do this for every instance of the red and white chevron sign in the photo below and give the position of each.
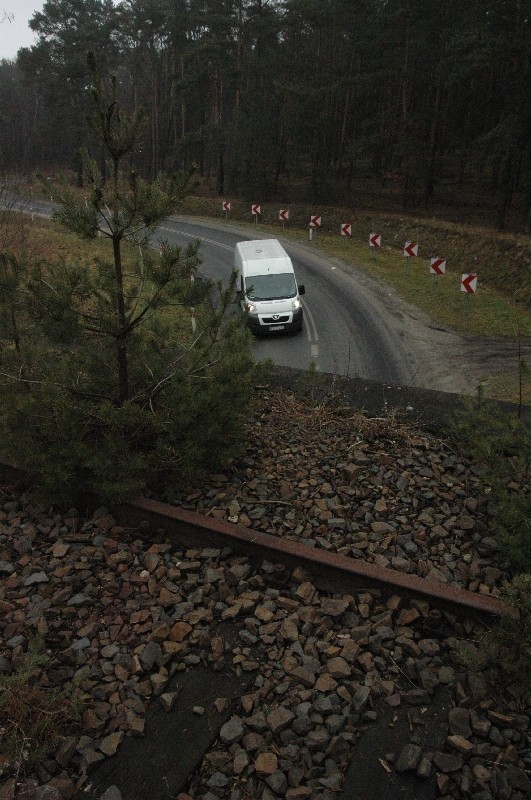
(346, 229)
(437, 266)
(255, 209)
(226, 205)
(315, 221)
(375, 240)
(469, 282)
(411, 249)
(283, 215)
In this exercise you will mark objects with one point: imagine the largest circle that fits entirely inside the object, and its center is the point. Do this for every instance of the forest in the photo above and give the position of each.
(422, 106)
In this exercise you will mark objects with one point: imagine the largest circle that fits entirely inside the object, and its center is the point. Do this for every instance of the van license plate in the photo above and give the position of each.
(276, 327)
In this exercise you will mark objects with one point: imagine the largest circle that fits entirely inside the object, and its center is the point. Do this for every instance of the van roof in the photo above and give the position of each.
(269, 250)
(262, 248)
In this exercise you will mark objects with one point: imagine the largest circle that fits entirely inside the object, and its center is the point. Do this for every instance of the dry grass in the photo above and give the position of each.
(33, 716)
(332, 411)
(46, 242)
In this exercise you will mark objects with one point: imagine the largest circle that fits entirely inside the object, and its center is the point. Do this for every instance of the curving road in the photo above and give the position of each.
(348, 326)
(352, 326)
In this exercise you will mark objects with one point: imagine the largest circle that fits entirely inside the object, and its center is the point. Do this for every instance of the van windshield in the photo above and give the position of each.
(270, 287)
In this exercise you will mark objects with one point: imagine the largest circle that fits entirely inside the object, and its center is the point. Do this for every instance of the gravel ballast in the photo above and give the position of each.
(129, 618)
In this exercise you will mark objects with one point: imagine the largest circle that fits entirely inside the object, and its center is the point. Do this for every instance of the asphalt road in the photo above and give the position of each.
(348, 329)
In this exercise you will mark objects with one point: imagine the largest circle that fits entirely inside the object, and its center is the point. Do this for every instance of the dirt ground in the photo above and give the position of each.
(455, 362)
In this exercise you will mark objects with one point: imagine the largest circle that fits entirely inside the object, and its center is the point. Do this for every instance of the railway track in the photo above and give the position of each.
(331, 571)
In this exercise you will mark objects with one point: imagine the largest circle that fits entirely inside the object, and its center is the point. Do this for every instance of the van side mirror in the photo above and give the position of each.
(301, 289)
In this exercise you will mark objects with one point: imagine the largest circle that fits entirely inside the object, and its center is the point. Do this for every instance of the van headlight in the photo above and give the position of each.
(296, 304)
(251, 308)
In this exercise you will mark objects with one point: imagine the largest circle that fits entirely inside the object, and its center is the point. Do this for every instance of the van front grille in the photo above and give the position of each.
(271, 321)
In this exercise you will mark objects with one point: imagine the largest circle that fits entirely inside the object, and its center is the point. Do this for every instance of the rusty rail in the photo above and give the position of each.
(330, 571)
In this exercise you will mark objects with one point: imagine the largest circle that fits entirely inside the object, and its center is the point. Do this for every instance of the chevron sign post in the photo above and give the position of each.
(411, 249)
(255, 211)
(283, 215)
(375, 241)
(315, 222)
(346, 229)
(225, 206)
(437, 267)
(469, 282)
(469, 285)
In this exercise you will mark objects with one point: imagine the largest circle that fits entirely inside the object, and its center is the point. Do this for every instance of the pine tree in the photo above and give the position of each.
(119, 392)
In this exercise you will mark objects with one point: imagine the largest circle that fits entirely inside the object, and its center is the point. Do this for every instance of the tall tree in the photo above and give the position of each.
(66, 30)
(19, 105)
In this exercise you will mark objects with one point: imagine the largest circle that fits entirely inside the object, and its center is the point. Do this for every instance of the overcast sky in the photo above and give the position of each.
(15, 31)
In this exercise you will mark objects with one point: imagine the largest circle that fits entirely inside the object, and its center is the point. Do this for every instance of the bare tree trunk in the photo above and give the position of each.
(121, 351)
(221, 175)
(154, 123)
(507, 193)
(430, 171)
(405, 81)
(239, 56)
(183, 101)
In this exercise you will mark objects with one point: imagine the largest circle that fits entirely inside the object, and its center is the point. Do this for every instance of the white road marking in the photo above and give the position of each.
(194, 236)
(311, 328)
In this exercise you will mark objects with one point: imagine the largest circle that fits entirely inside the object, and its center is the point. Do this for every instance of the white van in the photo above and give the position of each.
(267, 289)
